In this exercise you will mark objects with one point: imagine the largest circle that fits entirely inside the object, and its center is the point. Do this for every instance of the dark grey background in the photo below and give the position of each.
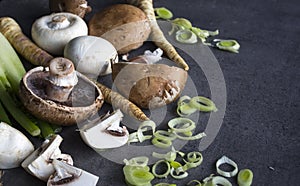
(261, 125)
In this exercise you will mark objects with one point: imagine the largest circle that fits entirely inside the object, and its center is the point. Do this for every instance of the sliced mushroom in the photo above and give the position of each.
(39, 163)
(149, 85)
(105, 133)
(51, 96)
(67, 175)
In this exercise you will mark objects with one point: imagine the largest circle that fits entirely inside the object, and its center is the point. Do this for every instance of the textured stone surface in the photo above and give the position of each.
(260, 130)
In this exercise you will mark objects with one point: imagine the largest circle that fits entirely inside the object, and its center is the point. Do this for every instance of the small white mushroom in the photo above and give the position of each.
(14, 147)
(105, 133)
(52, 32)
(39, 163)
(91, 55)
(67, 175)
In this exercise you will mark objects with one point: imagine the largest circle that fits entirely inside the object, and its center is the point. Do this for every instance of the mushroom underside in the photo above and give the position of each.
(83, 102)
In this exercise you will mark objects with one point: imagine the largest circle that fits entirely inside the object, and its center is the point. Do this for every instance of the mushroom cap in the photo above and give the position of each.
(84, 101)
(54, 40)
(149, 85)
(125, 26)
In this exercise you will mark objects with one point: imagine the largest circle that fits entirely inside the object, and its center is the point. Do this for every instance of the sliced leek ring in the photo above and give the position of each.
(163, 175)
(223, 160)
(245, 177)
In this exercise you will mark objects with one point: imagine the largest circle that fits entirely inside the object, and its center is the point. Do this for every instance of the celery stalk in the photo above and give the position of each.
(46, 129)
(3, 115)
(15, 111)
(11, 64)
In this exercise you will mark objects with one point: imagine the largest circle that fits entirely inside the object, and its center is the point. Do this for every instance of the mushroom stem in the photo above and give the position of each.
(61, 80)
(64, 171)
(59, 22)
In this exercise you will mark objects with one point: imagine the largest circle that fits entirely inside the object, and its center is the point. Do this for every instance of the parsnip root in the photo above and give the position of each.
(157, 35)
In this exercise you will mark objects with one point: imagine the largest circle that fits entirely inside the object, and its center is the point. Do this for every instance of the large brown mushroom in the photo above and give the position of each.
(78, 7)
(149, 85)
(60, 95)
(125, 26)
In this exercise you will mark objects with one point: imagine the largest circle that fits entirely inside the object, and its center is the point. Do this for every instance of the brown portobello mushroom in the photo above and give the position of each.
(54, 95)
(78, 7)
(149, 85)
(125, 26)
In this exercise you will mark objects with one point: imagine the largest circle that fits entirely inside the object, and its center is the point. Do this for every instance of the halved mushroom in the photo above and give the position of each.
(60, 95)
(78, 7)
(105, 132)
(69, 175)
(149, 85)
(39, 163)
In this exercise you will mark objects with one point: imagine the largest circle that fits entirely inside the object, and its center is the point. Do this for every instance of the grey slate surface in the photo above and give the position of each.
(260, 129)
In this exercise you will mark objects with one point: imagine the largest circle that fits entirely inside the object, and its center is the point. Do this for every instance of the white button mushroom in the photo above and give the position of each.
(91, 55)
(105, 133)
(53, 32)
(39, 163)
(14, 147)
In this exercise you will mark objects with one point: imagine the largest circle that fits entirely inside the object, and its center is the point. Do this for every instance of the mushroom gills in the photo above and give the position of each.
(68, 175)
(105, 132)
(39, 163)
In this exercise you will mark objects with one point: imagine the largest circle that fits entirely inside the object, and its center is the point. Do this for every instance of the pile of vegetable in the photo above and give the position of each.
(63, 90)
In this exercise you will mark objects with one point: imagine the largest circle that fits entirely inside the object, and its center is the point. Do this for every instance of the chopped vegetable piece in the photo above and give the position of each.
(165, 184)
(161, 143)
(170, 156)
(137, 176)
(163, 175)
(18, 115)
(141, 161)
(185, 109)
(223, 160)
(217, 180)
(162, 134)
(186, 36)
(163, 13)
(181, 125)
(182, 22)
(3, 115)
(180, 175)
(197, 136)
(229, 45)
(245, 177)
(194, 183)
(194, 159)
(157, 35)
(140, 130)
(203, 104)
(46, 129)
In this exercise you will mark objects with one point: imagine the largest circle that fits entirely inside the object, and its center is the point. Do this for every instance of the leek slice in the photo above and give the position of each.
(165, 174)
(138, 176)
(163, 13)
(186, 36)
(223, 160)
(196, 137)
(178, 175)
(203, 104)
(162, 134)
(182, 22)
(140, 161)
(245, 177)
(161, 143)
(170, 156)
(184, 110)
(142, 128)
(181, 125)
(165, 184)
(229, 45)
(195, 183)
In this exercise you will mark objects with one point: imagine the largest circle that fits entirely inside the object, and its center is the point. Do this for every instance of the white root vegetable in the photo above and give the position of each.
(14, 147)
(54, 31)
(157, 35)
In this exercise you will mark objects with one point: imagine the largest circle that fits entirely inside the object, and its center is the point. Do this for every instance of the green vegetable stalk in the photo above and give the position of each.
(11, 73)
(3, 115)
